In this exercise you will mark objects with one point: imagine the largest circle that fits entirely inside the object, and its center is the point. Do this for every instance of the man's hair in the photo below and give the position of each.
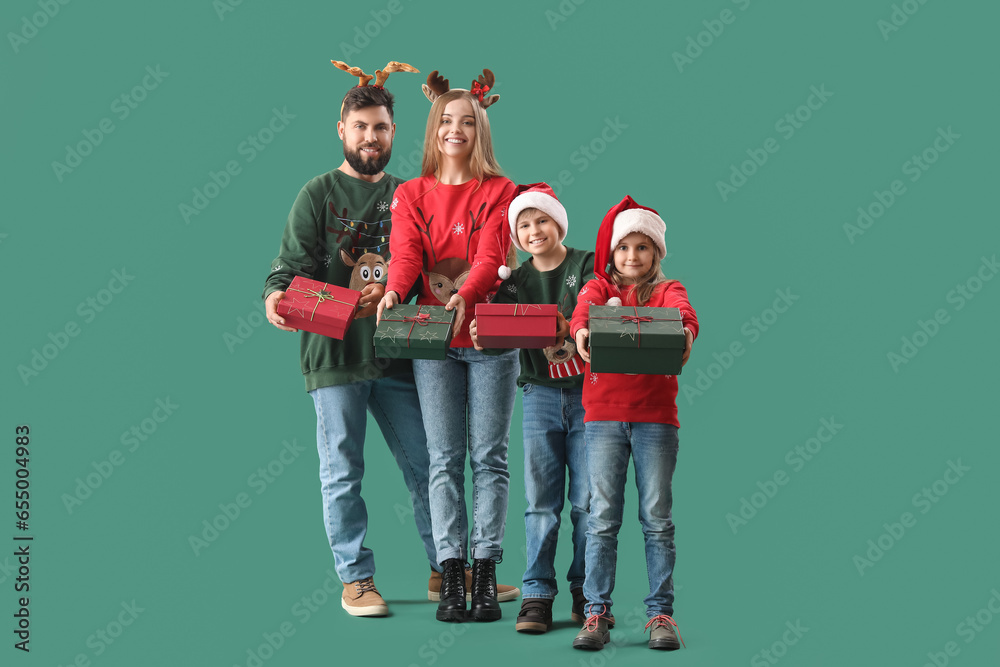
(360, 97)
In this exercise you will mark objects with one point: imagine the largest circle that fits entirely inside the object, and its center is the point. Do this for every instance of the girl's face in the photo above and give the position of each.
(634, 256)
(456, 135)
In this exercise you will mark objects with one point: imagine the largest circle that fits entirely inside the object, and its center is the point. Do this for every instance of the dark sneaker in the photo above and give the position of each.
(485, 606)
(505, 593)
(662, 634)
(594, 634)
(535, 616)
(578, 614)
(452, 606)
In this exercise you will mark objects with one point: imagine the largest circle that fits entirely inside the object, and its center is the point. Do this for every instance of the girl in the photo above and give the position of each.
(449, 231)
(628, 417)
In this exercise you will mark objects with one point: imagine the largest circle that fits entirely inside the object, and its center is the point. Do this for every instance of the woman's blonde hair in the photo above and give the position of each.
(646, 284)
(482, 161)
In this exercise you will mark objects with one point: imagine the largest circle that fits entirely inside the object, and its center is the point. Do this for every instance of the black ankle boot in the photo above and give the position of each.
(484, 591)
(452, 605)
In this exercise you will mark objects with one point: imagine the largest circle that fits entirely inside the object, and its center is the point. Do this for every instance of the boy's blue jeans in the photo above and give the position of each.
(481, 387)
(341, 418)
(553, 441)
(653, 449)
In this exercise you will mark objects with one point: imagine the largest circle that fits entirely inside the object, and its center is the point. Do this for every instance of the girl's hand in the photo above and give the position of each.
(271, 308)
(583, 344)
(371, 294)
(688, 342)
(456, 303)
(388, 301)
(472, 333)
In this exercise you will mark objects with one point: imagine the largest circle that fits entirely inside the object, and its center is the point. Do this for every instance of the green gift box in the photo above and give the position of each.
(628, 339)
(414, 332)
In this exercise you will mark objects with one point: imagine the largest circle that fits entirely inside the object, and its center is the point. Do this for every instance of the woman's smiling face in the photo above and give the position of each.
(457, 129)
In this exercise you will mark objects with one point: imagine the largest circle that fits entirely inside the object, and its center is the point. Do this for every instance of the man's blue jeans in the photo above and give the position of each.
(653, 449)
(340, 434)
(481, 386)
(553, 441)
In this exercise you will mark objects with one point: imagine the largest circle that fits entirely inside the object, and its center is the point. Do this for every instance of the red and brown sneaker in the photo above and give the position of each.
(361, 598)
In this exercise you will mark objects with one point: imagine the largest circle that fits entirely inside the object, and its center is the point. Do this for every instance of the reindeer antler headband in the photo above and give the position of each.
(381, 75)
(437, 86)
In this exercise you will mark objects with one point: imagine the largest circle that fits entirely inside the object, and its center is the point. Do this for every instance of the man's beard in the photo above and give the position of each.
(366, 166)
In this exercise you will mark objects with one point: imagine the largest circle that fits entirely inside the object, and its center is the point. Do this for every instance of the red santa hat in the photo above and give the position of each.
(540, 196)
(624, 218)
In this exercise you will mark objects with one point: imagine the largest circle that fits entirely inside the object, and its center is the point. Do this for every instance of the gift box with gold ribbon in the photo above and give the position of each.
(629, 339)
(319, 308)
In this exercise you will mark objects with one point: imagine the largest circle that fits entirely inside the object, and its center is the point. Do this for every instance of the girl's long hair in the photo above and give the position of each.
(482, 161)
(646, 284)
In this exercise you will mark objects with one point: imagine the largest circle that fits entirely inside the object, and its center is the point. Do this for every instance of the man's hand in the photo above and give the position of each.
(688, 342)
(583, 344)
(271, 308)
(371, 294)
(456, 303)
(472, 332)
(388, 301)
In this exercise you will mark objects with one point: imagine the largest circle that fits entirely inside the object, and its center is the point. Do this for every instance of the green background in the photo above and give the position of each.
(565, 71)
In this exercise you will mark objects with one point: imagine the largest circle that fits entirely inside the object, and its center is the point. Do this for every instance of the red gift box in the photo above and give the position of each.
(525, 326)
(319, 308)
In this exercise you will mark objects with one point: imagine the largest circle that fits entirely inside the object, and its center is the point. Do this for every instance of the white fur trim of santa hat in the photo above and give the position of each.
(540, 196)
(642, 221)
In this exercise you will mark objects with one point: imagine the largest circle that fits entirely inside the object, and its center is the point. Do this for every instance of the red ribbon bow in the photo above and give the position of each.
(479, 90)
(419, 318)
(635, 319)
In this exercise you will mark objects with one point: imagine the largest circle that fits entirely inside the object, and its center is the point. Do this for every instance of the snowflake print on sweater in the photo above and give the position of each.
(457, 228)
(382, 207)
(571, 281)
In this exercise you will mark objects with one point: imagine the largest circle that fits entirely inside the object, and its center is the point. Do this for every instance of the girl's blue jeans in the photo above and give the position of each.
(653, 449)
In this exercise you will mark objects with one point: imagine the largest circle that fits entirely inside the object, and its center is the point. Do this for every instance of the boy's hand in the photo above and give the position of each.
(371, 294)
(388, 301)
(472, 333)
(688, 342)
(456, 303)
(583, 344)
(271, 308)
(562, 327)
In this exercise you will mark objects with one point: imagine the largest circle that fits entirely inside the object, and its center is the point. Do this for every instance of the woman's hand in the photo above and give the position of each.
(456, 303)
(388, 301)
(688, 342)
(472, 333)
(583, 344)
(271, 308)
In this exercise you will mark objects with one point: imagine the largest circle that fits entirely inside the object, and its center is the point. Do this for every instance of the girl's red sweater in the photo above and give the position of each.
(446, 231)
(630, 398)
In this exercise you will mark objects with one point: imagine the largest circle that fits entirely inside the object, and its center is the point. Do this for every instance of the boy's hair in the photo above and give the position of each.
(531, 209)
(361, 97)
(483, 163)
(645, 285)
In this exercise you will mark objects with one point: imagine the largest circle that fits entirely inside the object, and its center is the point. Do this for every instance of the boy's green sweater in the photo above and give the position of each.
(337, 220)
(559, 286)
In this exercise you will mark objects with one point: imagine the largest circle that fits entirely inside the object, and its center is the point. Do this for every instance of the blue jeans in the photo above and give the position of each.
(553, 442)
(340, 436)
(483, 387)
(653, 448)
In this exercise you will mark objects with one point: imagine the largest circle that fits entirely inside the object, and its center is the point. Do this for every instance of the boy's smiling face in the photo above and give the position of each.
(537, 232)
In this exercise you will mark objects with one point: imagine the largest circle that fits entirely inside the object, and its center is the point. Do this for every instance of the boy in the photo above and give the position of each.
(552, 381)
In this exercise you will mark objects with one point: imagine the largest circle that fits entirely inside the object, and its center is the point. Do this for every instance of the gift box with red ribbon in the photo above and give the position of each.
(414, 332)
(319, 308)
(629, 339)
(509, 325)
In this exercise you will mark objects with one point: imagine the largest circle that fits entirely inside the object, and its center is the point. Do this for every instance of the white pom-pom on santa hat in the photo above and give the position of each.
(614, 301)
(504, 272)
(540, 196)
